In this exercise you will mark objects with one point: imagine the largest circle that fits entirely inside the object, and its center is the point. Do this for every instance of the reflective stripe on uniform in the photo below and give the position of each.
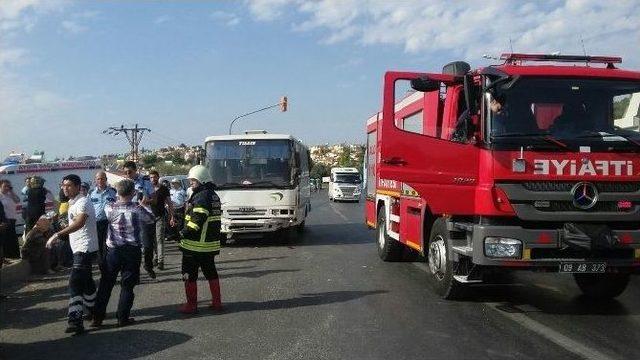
(193, 225)
(201, 210)
(200, 246)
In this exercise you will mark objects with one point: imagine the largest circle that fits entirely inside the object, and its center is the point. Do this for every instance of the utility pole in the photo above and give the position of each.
(283, 104)
(133, 136)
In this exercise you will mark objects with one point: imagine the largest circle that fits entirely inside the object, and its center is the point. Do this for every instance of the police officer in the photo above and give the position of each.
(200, 239)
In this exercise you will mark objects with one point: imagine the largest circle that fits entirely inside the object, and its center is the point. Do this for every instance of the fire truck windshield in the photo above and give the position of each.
(250, 163)
(575, 112)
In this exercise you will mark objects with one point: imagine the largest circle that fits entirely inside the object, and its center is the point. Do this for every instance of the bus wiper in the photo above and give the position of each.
(266, 182)
(539, 135)
(229, 184)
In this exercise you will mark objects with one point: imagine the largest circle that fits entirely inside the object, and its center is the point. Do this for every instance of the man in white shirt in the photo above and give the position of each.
(83, 239)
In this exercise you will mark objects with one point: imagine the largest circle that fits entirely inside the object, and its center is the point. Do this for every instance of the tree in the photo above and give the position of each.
(344, 160)
(149, 160)
(620, 106)
(318, 171)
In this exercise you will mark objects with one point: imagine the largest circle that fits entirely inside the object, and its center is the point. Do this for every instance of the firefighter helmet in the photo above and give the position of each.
(199, 173)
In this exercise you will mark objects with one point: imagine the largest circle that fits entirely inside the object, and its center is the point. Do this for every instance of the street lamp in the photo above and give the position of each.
(283, 104)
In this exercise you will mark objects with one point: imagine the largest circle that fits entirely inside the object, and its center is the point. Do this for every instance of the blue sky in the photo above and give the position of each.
(69, 69)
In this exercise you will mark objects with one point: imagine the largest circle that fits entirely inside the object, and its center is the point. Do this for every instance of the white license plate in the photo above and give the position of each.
(583, 267)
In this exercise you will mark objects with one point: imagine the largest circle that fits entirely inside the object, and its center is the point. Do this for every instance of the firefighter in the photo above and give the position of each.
(200, 239)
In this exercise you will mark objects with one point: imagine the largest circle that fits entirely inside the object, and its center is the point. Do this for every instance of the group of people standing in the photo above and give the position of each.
(123, 228)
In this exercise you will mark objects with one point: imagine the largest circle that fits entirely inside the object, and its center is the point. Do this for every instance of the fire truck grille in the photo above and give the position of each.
(562, 186)
(604, 206)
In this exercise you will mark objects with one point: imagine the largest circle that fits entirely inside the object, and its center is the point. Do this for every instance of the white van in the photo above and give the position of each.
(345, 184)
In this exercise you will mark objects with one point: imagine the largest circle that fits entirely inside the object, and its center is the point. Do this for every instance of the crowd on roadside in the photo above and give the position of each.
(167, 202)
(120, 227)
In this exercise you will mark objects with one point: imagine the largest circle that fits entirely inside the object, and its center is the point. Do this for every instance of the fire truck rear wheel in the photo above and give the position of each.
(441, 268)
(602, 286)
(388, 248)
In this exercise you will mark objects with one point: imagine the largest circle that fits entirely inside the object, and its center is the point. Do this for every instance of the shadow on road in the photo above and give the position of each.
(120, 344)
(222, 275)
(313, 235)
(251, 259)
(526, 297)
(169, 312)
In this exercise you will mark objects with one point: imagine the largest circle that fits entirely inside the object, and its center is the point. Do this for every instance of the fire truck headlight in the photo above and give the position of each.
(499, 247)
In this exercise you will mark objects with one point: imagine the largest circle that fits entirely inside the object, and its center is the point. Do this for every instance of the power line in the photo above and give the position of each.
(132, 134)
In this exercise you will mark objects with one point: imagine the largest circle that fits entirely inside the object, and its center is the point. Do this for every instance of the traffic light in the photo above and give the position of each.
(283, 104)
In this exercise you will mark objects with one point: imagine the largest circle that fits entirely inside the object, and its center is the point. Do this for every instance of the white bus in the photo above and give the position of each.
(345, 184)
(263, 182)
(52, 173)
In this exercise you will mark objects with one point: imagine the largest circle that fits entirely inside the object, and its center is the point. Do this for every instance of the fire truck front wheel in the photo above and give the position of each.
(441, 268)
(388, 248)
(602, 286)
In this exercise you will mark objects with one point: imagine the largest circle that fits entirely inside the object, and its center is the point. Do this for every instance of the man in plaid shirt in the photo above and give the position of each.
(124, 241)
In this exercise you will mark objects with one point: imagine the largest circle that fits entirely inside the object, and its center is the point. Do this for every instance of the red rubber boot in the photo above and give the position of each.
(216, 300)
(191, 291)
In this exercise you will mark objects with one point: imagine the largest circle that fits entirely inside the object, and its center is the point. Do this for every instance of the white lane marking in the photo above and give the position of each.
(339, 212)
(555, 337)
(540, 329)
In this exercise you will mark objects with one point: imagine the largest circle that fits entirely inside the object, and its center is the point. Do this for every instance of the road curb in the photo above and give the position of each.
(15, 273)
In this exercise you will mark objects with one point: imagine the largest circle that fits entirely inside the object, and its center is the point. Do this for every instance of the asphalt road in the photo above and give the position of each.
(328, 297)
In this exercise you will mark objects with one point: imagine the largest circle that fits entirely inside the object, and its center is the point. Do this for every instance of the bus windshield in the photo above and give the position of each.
(250, 163)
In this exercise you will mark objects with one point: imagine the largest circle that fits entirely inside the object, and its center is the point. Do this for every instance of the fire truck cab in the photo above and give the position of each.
(518, 165)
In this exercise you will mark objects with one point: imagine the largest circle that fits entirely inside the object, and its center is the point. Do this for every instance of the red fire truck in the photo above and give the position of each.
(517, 165)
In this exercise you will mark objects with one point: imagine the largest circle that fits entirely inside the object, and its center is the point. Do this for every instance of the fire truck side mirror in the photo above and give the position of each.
(424, 84)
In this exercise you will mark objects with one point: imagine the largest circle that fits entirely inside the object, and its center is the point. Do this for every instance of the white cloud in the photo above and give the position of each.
(161, 19)
(12, 57)
(267, 10)
(87, 14)
(73, 27)
(225, 18)
(21, 14)
(468, 29)
(48, 101)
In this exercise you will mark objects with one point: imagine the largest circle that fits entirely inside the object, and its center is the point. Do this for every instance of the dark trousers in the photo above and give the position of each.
(148, 244)
(11, 247)
(173, 231)
(192, 261)
(102, 227)
(82, 288)
(124, 260)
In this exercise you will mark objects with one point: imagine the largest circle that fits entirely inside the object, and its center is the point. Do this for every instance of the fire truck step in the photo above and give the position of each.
(464, 279)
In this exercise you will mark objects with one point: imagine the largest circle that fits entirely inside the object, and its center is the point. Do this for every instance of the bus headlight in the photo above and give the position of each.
(499, 247)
